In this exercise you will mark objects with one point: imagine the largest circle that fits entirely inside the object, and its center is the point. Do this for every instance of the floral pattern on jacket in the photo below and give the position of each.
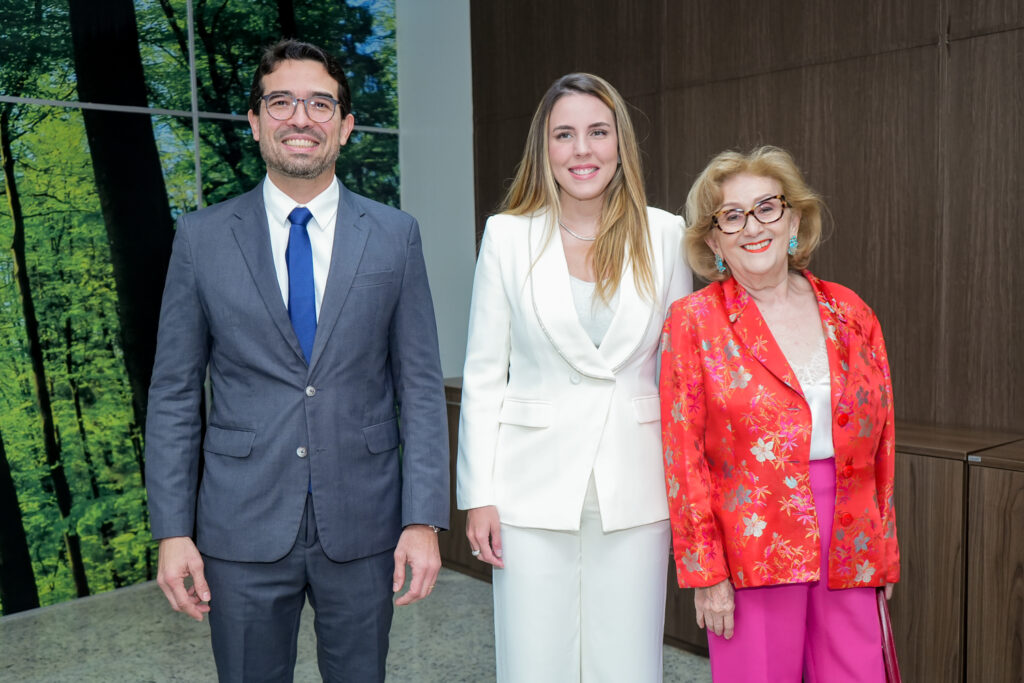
(736, 433)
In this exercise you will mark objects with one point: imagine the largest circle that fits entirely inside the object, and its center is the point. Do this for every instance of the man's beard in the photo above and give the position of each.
(307, 167)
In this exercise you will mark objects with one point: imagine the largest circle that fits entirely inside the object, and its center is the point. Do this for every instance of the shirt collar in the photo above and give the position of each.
(324, 206)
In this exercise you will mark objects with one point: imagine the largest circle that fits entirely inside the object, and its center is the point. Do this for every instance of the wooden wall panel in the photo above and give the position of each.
(980, 363)
(519, 48)
(927, 604)
(995, 571)
(868, 147)
(714, 41)
(979, 17)
(498, 148)
(646, 111)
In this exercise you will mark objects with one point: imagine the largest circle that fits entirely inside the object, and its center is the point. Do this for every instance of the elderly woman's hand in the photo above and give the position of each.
(715, 608)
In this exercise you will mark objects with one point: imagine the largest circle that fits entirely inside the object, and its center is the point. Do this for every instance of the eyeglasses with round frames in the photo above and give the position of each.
(319, 108)
(731, 221)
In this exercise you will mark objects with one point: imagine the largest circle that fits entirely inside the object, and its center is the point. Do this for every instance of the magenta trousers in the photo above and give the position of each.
(786, 632)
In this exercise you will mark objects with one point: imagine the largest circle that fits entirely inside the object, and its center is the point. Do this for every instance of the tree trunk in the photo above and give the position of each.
(17, 580)
(286, 19)
(129, 178)
(61, 490)
(76, 398)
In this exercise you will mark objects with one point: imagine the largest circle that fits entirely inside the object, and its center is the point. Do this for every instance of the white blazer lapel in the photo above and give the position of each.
(633, 318)
(551, 293)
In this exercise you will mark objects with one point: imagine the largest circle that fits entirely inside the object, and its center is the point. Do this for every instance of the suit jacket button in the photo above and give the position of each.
(843, 419)
(301, 451)
(310, 391)
(846, 519)
(848, 471)
(574, 378)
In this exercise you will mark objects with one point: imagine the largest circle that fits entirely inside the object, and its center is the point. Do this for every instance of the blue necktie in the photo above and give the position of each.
(301, 292)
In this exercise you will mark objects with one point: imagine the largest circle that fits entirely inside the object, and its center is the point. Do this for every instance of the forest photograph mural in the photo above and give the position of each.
(104, 141)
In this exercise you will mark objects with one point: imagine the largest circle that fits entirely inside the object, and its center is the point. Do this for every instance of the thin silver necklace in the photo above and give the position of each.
(576, 235)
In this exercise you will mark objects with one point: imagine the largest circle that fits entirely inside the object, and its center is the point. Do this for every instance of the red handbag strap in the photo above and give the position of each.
(892, 667)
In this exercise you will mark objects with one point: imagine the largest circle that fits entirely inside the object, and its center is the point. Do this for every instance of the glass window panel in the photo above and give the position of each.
(163, 46)
(35, 50)
(230, 36)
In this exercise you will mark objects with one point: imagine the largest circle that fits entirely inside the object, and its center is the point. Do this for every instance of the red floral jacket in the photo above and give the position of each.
(736, 434)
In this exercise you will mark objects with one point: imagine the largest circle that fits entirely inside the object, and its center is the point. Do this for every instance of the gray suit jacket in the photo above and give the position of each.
(365, 422)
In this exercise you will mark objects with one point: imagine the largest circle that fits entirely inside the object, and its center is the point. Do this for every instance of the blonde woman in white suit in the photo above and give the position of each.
(560, 462)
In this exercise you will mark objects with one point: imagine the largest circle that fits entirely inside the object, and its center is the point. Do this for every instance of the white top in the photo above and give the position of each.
(595, 315)
(324, 208)
(814, 380)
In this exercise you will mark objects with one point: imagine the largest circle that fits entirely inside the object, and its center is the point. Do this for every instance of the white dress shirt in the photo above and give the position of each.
(324, 208)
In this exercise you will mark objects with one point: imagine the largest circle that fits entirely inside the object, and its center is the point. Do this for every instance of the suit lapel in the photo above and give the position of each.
(632, 319)
(350, 235)
(553, 303)
(253, 237)
(751, 329)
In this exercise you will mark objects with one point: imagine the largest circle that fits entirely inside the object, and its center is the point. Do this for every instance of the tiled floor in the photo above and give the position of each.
(131, 635)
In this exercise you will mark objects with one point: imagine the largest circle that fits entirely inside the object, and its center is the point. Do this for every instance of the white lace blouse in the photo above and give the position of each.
(814, 380)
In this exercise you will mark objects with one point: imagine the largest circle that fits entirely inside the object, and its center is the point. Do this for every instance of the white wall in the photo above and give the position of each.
(435, 112)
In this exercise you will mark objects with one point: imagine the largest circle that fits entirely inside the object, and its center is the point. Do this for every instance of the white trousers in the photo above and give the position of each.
(581, 605)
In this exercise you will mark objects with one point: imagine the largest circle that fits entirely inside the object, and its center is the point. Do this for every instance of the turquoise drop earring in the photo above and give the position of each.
(719, 263)
(793, 244)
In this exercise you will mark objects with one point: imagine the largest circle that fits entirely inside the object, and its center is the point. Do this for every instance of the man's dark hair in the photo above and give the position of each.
(294, 49)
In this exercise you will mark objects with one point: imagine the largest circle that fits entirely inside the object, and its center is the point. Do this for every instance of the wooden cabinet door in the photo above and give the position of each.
(681, 627)
(927, 605)
(995, 571)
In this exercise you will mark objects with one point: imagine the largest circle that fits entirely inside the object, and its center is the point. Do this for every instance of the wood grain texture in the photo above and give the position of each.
(995, 571)
(983, 245)
(520, 47)
(498, 147)
(927, 605)
(715, 41)
(949, 442)
(455, 551)
(969, 18)
(681, 627)
(1008, 457)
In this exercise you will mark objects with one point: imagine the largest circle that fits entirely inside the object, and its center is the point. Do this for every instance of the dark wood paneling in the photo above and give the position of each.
(982, 292)
(498, 147)
(649, 121)
(950, 442)
(519, 48)
(1008, 457)
(927, 604)
(715, 41)
(978, 17)
(864, 133)
(995, 570)
(681, 627)
(454, 546)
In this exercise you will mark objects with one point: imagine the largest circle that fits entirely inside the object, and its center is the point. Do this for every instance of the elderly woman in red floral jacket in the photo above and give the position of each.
(777, 423)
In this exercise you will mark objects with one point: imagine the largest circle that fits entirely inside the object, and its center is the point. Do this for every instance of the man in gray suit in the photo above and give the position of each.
(325, 464)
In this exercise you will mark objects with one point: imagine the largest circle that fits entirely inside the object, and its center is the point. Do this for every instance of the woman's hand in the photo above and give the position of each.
(888, 590)
(483, 529)
(715, 608)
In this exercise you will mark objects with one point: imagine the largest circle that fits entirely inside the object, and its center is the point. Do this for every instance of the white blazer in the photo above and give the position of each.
(542, 407)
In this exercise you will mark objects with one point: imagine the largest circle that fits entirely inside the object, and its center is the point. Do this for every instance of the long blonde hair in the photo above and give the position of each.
(623, 223)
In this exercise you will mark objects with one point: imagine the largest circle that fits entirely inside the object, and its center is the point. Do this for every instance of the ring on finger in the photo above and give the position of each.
(475, 553)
